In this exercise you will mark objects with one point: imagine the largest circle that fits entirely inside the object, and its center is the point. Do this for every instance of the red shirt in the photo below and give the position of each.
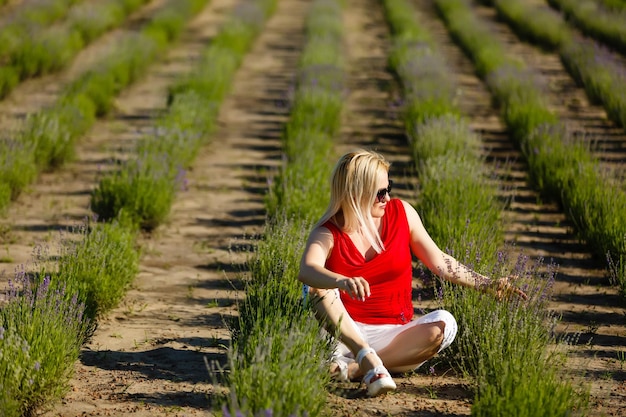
(389, 273)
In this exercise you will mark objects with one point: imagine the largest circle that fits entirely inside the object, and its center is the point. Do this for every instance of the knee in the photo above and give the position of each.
(448, 327)
(436, 332)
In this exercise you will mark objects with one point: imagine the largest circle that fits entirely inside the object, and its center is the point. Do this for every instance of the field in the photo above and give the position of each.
(149, 355)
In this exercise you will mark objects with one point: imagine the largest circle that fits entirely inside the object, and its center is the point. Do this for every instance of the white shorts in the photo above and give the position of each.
(379, 336)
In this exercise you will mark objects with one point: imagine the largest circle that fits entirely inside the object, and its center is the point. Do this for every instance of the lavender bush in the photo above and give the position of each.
(43, 328)
(276, 332)
(501, 345)
(606, 25)
(98, 261)
(529, 120)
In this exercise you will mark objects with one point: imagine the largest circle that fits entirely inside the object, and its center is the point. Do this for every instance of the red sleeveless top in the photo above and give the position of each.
(389, 273)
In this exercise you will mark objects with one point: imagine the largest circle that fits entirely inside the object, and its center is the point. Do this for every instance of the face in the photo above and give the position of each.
(383, 185)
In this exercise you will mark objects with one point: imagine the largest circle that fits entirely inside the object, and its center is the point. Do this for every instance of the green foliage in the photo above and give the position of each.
(98, 261)
(302, 189)
(17, 370)
(564, 172)
(276, 337)
(44, 329)
(456, 197)
(287, 373)
(118, 70)
(9, 79)
(47, 53)
(315, 110)
(144, 190)
(91, 20)
(596, 21)
(43, 13)
(448, 135)
(601, 76)
(538, 25)
(212, 79)
(510, 348)
(167, 25)
(17, 169)
(36, 50)
(474, 37)
(52, 133)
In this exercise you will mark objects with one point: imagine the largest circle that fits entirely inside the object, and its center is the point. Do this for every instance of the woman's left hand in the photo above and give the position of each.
(502, 288)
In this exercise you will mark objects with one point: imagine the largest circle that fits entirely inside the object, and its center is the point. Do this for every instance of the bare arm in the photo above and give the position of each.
(447, 267)
(314, 273)
(439, 262)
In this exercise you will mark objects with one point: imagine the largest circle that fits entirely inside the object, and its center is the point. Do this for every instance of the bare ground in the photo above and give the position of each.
(148, 356)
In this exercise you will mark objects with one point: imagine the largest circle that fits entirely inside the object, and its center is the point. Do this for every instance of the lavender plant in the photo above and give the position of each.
(276, 332)
(52, 133)
(529, 118)
(17, 170)
(44, 50)
(98, 261)
(17, 372)
(539, 24)
(511, 348)
(596, 21)
(143, 189)
(602, 76)
(587, 61)
(44, 327)
(493, 342)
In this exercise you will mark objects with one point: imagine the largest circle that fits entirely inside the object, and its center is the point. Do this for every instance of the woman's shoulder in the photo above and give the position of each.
(409, 211)
(326, 229)
(402, 204)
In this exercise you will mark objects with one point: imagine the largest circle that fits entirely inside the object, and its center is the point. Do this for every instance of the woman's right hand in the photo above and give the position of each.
(357, 287)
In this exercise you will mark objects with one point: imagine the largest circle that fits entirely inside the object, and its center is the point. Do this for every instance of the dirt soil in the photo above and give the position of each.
(148, 356)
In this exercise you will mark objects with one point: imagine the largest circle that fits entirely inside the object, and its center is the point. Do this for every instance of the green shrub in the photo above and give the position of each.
(510, 346)
(47, 323)
(47, 53)
(144, 190)
(17, 168)
(275, 333)
(98, 261)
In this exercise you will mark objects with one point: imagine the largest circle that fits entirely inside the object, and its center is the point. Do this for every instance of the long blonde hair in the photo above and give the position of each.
(353, 191)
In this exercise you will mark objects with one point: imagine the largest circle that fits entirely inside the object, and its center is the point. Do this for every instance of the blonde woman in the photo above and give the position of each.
(357, 265)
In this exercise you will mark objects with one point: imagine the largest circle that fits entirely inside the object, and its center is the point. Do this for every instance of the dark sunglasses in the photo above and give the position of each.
(382, 193)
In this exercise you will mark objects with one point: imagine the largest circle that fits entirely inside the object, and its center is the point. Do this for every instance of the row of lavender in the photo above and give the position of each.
(47, 138)
(279, 362)
(592, 65)
(601, 19)
(561, 166)
(459, 197)
(33, 45)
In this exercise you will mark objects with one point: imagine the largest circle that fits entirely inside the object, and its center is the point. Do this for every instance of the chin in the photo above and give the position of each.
(378, 212)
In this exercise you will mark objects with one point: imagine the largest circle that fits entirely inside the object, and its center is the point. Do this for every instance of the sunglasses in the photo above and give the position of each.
(382, 193)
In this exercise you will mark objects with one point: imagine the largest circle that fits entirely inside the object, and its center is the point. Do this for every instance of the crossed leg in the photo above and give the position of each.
(410, 345)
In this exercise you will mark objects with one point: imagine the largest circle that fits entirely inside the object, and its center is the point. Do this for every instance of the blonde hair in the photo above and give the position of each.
(353, 190)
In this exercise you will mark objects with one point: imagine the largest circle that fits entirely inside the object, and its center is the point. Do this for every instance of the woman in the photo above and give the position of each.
(357, 265)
